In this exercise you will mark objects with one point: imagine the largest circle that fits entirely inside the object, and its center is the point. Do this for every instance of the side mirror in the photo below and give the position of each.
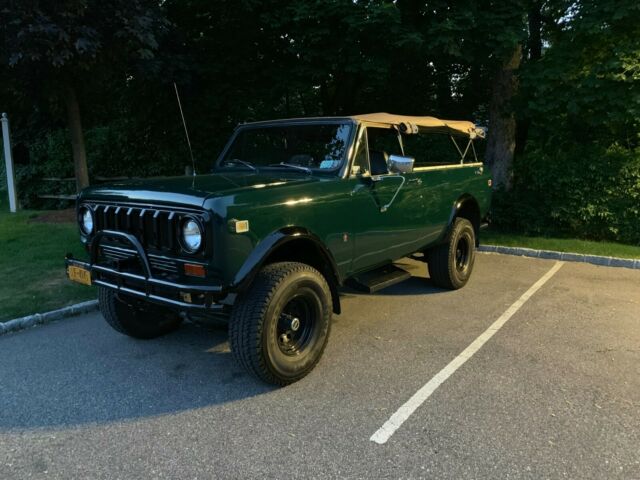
(400, 164)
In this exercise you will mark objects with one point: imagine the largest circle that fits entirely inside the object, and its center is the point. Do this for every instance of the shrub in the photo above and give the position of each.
(583, 192)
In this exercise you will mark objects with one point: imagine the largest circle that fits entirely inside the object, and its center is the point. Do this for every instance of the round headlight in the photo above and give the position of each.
(191, 235)
(86, 220)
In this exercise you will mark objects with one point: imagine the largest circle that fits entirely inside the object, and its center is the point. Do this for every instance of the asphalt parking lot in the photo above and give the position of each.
(554, 393)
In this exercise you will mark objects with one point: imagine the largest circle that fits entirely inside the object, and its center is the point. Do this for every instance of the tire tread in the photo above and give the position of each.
(439, 259)
(247, 320)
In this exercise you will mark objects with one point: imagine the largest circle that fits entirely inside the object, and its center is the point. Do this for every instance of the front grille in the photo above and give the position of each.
(158, 264)
(155, 228)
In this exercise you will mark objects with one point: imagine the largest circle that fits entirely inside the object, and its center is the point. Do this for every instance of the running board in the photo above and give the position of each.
(383, 277)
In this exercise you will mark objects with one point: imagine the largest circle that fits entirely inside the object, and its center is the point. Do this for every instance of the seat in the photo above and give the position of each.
(379, 165)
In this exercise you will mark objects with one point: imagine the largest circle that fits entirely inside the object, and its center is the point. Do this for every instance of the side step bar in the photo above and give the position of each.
(383, 277)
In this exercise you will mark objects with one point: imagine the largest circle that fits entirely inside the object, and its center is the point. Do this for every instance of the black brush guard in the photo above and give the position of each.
(145, 286)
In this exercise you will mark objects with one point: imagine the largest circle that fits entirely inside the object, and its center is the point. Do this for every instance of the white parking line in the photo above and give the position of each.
(404, 412)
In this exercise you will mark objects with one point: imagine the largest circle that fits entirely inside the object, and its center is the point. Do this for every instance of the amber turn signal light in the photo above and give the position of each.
(194, 270)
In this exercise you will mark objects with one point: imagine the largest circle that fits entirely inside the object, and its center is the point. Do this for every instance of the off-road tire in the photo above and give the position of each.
(134, 318)
(451, 264)
(256, 323)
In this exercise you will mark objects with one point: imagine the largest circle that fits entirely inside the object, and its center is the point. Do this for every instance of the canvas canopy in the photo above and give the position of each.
(451, 126)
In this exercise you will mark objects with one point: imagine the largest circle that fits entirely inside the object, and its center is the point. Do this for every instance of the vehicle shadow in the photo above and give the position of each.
(412, 286)
(80, 371)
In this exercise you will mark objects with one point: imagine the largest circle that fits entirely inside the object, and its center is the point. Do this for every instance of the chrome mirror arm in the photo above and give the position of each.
(384, 208)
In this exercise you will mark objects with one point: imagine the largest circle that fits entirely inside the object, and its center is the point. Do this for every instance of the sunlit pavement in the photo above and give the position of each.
(555, 393)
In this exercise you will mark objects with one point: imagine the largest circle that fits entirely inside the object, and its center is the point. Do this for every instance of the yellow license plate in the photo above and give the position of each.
(79, 274)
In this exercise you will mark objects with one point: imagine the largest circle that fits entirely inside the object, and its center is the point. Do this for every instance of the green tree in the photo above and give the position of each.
(474, 51)
(586, 86)
(62, 46)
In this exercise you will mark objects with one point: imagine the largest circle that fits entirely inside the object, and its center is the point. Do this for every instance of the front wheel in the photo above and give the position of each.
(451, 263)
(280, 326)
(135, 318)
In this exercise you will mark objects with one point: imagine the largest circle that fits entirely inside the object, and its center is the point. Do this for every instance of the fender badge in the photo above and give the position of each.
(239, 226)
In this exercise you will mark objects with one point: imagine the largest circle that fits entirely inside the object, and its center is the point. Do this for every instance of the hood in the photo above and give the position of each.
(189, 191)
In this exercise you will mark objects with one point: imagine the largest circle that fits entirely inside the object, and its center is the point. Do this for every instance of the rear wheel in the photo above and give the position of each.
(451, 264)
(280, 326)
(134, 318)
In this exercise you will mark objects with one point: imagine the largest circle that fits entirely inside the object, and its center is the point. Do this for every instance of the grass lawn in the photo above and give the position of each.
(609, 249)
(32, 274)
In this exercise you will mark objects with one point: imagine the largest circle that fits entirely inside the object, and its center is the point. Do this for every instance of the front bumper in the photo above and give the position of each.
(143, 285)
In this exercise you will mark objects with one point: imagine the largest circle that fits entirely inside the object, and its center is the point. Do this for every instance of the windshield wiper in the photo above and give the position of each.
(296, 167)
(241, 162)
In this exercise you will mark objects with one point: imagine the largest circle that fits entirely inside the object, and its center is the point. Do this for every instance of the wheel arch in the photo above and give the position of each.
(295, 244)
(466, 206)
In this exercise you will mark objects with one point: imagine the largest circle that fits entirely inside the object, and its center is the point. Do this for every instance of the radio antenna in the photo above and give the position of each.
(186, 132)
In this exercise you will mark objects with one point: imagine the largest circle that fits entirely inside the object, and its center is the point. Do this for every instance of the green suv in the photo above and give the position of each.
(291, 211)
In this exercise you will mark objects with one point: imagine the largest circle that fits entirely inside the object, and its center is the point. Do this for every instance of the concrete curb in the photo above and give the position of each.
(566, 256)
(40, 318)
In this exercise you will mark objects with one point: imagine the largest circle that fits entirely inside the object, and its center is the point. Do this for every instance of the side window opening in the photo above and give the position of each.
(384, 139)
(361, 160)
(478, 147)
(382, 142)
(438, 149)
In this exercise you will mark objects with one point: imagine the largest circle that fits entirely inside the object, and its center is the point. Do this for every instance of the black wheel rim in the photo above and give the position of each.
(463, 254)
(296, 324)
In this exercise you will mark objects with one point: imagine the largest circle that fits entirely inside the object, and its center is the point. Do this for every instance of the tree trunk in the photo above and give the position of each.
(501, 142)
(77, 139)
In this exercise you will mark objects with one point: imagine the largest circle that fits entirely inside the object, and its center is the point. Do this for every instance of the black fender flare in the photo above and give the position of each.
(273, 242)
(465, 200)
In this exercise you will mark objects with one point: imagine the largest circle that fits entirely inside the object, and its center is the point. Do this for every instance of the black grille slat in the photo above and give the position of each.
(98, 217)
(166, 266)
(128, 219)
(105, 217)
(155, 220)
(142, 236)
(157, 264)
(112, 255)
(116, 216)
(170, 229)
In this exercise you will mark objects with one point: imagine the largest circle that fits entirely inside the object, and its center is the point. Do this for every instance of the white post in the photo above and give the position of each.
(11, 180)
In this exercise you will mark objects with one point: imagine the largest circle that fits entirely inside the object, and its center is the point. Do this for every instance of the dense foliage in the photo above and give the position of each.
(558, 79)
(586, 191)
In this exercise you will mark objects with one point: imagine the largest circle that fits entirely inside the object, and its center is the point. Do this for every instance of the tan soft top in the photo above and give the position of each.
(451, 126)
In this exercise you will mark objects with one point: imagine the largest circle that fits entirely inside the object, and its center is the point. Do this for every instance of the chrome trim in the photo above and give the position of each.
(183, 243)
(81, 209)
(447, 167)
(401, 164)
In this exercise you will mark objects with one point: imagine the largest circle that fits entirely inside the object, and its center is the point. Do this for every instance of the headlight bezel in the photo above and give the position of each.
(82, 212)
(183, 241)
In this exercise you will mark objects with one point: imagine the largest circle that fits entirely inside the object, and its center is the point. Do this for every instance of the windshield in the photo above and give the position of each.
(317, 147)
